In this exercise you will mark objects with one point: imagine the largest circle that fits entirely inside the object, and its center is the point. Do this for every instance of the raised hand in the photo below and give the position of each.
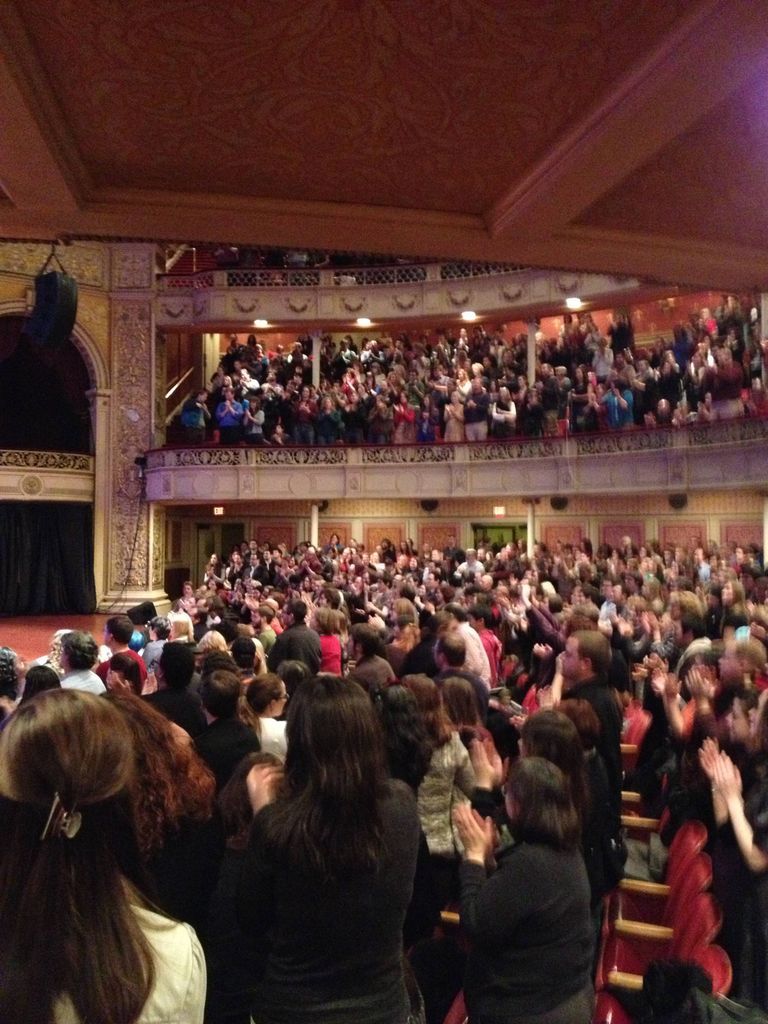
(262, 782)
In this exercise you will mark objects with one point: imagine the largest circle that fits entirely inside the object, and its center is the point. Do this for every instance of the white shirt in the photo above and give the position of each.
(178, 995)
(272, 737)
(83, 679)
(476, 660)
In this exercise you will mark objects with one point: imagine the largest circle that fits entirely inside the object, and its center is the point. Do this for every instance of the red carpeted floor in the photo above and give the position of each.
(30, 635)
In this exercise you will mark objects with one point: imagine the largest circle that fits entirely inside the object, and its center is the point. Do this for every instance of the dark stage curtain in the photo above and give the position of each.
(46, 558)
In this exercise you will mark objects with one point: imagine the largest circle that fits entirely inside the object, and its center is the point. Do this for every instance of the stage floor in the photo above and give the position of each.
(30, 635)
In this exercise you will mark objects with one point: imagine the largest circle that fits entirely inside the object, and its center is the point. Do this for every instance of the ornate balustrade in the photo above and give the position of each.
(721, 455)
(45, 476)
(213, 298)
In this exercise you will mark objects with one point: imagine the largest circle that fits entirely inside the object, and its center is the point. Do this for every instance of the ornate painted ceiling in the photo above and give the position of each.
(629, 136)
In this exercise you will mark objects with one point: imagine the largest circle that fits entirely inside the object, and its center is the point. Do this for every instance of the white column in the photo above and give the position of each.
(529, 539)
(316, 361)
(314, 524)
(531, 352)
(211, 355)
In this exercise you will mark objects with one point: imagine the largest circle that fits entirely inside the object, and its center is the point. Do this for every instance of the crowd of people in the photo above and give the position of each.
(473, 386)
(281, 783)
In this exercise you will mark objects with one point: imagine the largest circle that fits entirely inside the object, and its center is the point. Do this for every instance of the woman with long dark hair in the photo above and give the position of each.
(330, 866)
(78, 941)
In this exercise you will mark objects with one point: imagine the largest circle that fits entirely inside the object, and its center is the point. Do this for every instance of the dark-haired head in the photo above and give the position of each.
(539, 805)
(127, 669)
(38, 679)
(176, 665)
(406, 742)
(7, 673)
(329, 821)
(293, 673)
(552, 735)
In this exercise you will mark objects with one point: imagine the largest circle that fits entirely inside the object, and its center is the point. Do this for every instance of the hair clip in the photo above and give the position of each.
(61, 822)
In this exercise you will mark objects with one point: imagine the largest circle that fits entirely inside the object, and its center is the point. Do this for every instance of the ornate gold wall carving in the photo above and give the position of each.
(132, 334)
(87, 263)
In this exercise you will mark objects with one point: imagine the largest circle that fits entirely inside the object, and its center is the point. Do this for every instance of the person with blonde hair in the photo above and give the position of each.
(182, 630)
(211, 641)
(79, 940)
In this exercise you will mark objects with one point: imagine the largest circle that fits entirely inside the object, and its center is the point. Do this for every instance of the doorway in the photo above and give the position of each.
(216, 537)
(496, 535)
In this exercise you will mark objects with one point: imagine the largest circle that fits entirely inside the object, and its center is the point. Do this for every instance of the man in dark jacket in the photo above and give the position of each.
(225, 740)
(586, 663)
(173, 698)
(297, 642)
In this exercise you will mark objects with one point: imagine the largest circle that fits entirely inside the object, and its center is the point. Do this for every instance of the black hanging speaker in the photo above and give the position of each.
(53, 317)
(429, 504)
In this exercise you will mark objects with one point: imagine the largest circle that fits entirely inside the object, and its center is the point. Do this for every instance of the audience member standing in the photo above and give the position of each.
(297, 642)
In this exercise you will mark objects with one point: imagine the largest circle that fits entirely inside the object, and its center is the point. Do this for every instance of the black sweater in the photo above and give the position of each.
(335, 947)
(531, 933)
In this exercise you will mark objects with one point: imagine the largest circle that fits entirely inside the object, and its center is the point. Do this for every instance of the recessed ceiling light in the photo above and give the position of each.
(261, 323)
(469, 315)
(572, 302)
(363, 321)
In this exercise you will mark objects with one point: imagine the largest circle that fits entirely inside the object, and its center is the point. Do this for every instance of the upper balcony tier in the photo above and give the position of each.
(730, 454)
(222, 299)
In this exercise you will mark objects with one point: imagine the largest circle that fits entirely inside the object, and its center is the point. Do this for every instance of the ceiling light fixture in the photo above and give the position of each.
(363, 321)
(572, 302)
(261, 323)
(469, 315)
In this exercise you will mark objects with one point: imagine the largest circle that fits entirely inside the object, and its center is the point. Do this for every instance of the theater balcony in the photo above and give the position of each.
(46, 476)
(224, 299)
(700, 457)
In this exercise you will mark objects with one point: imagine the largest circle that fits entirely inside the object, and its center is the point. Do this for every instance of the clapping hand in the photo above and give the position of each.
(477, 834)
(708, 758)
(701, 684)
(489, 770)
(727, 778)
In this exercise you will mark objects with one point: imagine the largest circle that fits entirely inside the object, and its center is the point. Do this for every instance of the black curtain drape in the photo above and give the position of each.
(46, 558)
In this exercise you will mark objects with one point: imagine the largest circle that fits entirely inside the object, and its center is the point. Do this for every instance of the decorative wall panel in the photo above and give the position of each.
(749, 531)
(437, 535)
(612, 533)
(275, 531)
(688, 533)
(566, 531)
(375, 532)
(343, 527)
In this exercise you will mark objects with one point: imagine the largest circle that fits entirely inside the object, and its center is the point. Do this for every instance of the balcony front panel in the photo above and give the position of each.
(723, 455)
(45, 476)
(212, 298)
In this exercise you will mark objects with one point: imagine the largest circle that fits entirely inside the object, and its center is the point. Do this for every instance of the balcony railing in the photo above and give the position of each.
(701, 456)
(325, 296)
(45, 476)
